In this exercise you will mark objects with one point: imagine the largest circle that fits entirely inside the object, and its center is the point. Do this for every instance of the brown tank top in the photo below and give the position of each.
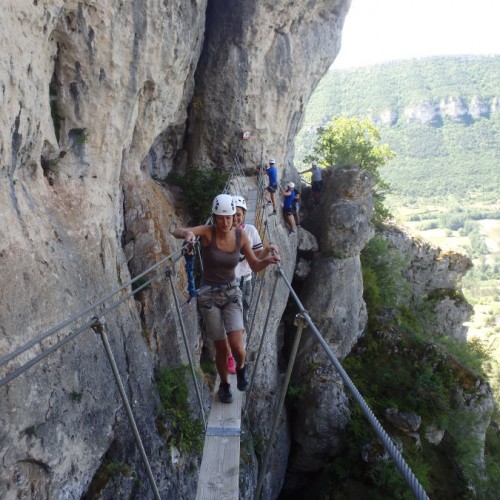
(218, 266)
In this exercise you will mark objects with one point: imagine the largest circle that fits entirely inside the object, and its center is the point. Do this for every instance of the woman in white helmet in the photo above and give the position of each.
(219, 293)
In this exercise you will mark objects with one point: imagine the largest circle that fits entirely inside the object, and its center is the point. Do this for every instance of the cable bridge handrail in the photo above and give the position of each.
(39, 338)
(302, 319)
(98, 324)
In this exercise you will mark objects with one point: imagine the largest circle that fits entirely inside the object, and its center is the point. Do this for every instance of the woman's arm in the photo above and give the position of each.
(258, 264)
(189, 234)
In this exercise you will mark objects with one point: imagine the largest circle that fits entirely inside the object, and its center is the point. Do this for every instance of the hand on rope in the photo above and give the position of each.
(271, 250)
(272, 259)
(189, 238)
(274, 256)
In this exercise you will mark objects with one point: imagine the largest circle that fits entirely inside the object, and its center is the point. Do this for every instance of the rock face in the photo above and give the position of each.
(256, 46)
(435, 276)
(99, 99)
(457, 109)
(333, 296)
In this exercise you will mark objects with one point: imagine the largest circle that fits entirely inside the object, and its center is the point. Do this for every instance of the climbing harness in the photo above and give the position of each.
(219, 295)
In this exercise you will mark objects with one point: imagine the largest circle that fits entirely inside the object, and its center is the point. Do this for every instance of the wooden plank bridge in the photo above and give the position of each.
(220, 464)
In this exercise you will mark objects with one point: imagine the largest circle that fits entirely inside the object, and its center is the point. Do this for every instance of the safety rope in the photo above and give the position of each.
(20, 350)
(189, 267)
(99, 326)
(302, 317)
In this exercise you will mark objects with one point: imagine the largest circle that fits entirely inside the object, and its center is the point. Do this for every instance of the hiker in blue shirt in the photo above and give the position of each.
(296, 208)
(272, 173)
(289, 197)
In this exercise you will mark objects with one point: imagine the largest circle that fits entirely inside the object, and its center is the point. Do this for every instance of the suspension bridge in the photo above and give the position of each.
(219, 469)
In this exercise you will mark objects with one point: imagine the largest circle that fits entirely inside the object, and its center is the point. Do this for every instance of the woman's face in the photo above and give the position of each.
(239, 217)
(224, 223)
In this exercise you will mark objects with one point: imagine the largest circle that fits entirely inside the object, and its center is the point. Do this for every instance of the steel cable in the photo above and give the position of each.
(15, 373)
(8, 357)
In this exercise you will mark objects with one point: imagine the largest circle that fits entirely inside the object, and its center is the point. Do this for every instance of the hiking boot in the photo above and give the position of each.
(224, 393)
(241, 377)
(231, 367)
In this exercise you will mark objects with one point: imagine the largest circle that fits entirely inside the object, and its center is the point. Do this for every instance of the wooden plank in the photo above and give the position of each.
(220, 472)
(220, 464)
(223, 414)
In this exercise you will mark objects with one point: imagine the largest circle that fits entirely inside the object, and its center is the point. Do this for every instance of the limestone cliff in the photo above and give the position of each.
(456, 109)
(99, 99)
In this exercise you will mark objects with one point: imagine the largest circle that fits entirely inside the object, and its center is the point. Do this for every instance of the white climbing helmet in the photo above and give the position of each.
(239, 201)
(315, 163)
(291, 185)
(271, 162)
(223, 204)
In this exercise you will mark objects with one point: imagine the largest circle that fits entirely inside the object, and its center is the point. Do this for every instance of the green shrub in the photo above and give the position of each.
(176, 422)
(398, 364)
(294, 395)
(382, 267)
(75, 396)
(200, 186)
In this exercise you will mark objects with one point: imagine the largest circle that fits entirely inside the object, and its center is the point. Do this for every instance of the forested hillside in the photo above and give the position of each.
(455, 152)
(442, 118)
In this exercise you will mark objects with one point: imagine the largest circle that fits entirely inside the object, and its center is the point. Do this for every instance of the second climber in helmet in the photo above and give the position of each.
(243, 270)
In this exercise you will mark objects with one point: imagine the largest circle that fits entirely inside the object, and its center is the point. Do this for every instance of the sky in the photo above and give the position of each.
(377, 31)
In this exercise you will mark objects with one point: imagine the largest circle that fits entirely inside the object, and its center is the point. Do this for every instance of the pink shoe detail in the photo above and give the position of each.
(231, 368)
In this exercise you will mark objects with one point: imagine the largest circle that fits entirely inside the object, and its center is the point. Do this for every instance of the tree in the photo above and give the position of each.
(355, 142)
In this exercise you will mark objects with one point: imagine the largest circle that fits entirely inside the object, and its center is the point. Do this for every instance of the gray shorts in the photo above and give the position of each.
(222, 311)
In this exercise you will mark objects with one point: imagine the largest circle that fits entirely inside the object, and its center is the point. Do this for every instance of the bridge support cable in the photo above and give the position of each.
(99, 327)
(39, 338)
(237, 174)
(262, 337)
(300, 323)
(18, 371)
(32, 362)
(399, 461)
(186, 345)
